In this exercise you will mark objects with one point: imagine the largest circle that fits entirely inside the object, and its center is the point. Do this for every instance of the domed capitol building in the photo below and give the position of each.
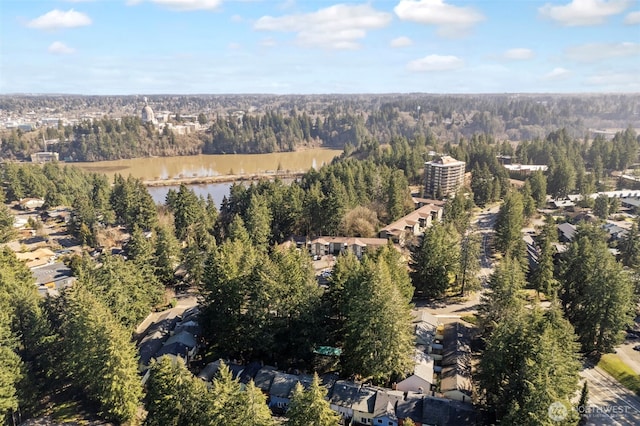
(147, 114)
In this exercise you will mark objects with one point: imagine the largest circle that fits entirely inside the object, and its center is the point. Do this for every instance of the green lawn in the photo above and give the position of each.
(472, 319)
(613, 365)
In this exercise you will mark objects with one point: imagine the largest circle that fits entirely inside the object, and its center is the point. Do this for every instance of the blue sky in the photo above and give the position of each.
(304, 46)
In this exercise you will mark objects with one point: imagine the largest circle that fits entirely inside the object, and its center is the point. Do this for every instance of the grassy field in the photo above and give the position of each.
(613, 365)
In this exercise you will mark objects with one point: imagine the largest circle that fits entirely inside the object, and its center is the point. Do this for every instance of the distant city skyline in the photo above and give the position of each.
(122, 47)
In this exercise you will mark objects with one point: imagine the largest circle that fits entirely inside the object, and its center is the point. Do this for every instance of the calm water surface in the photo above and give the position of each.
(162, 168)
(166, 168)
(217, 190)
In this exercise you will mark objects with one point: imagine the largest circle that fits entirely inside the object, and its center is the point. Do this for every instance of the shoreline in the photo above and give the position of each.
(201, 180)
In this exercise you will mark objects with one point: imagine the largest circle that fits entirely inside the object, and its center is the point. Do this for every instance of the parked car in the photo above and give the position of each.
(636, 348)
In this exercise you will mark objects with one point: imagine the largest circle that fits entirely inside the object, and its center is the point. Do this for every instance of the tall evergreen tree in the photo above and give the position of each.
(259, 221)
(187, 210)
(538, 183)
(543, 277)
(470, 247)
(98, 346)
(167, 255)
(175, 397)
(596, 293)
(310, 408)
(530, 361)
(234, 407)
(601, 206)
(378, 339)
(505, 297)
(7, 230)
(630, 247)
(508, 227)
(435, 261)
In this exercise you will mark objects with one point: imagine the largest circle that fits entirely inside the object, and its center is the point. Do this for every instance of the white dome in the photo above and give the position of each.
(147, 115)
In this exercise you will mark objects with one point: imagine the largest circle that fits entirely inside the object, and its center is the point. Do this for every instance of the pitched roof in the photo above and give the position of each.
(249, 372)
(352, 395)
(567, 230)
(184, 337)
(283, 384)
(385, 403)
(445, 412)
(410, 407)
(264, 378)
(412, 218)
(456, 359)
(209, 371)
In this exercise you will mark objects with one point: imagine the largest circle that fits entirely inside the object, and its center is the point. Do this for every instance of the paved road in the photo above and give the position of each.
(609, 402)
(484, 222)
(628, 355)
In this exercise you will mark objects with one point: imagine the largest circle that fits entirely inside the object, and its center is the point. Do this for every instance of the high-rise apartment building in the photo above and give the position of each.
(443, 176)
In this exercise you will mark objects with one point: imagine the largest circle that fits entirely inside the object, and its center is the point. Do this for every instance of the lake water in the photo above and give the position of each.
(193, 166)
(218, 191)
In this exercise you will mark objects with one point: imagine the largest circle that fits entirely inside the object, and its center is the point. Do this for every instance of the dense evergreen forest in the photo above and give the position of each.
(261, 301)
(262, 123)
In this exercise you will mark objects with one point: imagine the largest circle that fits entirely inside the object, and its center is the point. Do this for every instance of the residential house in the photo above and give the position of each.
(523, 170)
(410, 408)
(341, 245)
(264, 378)
(419, 202)
(52, 278)
(427, 331)
(44, 157)
(566, 232)
(413, 224)
(562, 204)
(422, 378)
(30, 203)
(455, 378)
(443, 412)
(353, 402)
(532, 251)
(209, 371)
(615, 232)
(384, 409)
(282, 388)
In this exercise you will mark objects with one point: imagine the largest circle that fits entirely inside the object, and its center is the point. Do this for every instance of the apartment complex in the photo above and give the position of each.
(443, 176)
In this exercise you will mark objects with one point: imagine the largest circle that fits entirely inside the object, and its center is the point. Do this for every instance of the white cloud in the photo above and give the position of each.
(59, 48)
(183, 5)
(57, 19)
(401, 42)
(268, 42)
(615, 80)
(584, 12)
(450, 20)
(435, 63)
(235, 46)
(336, 27)
(557, 74)
(594, 52)
(632, 18)
(518, 54)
